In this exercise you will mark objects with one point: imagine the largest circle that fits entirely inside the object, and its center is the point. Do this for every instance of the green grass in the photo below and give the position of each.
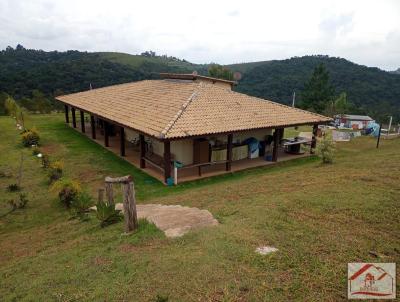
(320, 217)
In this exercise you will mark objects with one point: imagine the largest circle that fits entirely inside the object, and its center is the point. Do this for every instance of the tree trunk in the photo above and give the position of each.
(109, 193)
(130, 213)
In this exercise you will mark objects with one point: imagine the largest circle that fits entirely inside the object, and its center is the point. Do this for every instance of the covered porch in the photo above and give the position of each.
(161, 158)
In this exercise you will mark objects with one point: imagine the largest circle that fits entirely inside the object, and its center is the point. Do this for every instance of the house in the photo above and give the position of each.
(194, 126)
(353, 121)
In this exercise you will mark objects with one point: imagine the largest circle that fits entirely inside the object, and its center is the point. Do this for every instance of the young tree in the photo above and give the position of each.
(317, 91)
(338, 106)
(220, 72)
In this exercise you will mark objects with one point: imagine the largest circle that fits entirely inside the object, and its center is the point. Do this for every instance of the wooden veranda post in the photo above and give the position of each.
(73, 117)
(314, 139)
(142, 151)
(93, 126)
(83, 121)
(167, 160)
(122, 141)
(276, 145)
(129, 202)
(229, 152)
(66, 108)
(106, 141)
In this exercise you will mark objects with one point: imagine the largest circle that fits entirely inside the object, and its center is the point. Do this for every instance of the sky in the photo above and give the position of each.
(224, 32)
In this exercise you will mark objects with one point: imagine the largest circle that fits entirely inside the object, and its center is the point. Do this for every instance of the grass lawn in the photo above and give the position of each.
(320, 217)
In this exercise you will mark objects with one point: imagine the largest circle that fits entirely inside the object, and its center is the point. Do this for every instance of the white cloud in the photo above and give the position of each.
(366, 32)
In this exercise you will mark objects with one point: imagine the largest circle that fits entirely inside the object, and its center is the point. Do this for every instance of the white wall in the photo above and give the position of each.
(158, 147)
(183, 151)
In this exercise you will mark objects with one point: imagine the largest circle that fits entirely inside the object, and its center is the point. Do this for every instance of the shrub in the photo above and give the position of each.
(30, 137)
(35, 151)
(67, 190)
(13, 188)
(45, 161)
(326, 148)
(107, 214)
(56, 170)
(20, 203)
(81, 204)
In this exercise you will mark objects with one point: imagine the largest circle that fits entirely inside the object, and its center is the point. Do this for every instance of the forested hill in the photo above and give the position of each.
(372, 90)
(23, 72)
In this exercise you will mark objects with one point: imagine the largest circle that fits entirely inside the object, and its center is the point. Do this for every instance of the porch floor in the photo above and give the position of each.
(132, 155)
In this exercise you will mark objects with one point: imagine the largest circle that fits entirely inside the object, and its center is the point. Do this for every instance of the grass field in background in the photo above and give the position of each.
(320, 217)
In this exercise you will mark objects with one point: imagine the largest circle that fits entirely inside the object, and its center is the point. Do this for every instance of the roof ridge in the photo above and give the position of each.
(178, 114)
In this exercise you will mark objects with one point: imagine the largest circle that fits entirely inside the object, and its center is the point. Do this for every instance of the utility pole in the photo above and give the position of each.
(390, 125)
(379, 136)
(294, 98)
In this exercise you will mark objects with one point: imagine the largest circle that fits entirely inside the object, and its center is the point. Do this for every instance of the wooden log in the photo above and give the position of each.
(73, 117)
(66, 108)
(83, 121)
(129, 203)
(106, 132)
(229, 152)
(167, 160)
(93, 126)
(122, 141)
(276, 145)
(101, 195)
(109, 193)
(142, 151)
(123, 179)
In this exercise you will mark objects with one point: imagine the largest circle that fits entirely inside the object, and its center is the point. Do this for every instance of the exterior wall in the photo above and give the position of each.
(158, 147)
(182, 151)
(239, 137)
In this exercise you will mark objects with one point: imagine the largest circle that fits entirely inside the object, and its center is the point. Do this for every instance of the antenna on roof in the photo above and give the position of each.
(294, 98)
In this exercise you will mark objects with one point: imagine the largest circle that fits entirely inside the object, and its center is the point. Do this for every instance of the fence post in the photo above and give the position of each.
(130, 213)
(129, 202)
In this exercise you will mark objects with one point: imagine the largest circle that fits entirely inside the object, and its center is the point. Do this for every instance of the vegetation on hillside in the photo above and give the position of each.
(32, 76)
(371, 90)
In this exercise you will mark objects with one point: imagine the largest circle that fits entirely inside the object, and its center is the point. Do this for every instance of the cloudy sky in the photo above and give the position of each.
(366, 32)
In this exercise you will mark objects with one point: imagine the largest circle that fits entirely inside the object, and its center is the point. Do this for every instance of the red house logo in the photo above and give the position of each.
(371, 281)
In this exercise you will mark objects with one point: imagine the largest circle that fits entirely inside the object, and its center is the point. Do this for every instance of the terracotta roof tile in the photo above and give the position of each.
(179, 108)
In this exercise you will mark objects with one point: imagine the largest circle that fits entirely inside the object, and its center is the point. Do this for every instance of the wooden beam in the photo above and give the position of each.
(281, 133)
(276, 145)
(167, 160)
(106, 141)
(66, 108)
(314, 138)
(93, 126)
(142, 151)
(83, 121)
(122, 141)
(73, 117)
(229, 152)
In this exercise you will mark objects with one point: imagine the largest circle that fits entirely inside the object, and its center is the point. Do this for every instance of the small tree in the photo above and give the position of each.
(326, 148)
(338, 106)
(317, 91)
(220, 72)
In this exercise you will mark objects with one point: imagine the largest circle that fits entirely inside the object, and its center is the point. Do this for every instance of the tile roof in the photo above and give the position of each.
(180, 108)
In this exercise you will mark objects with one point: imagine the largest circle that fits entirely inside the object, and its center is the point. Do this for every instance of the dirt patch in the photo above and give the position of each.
(174, 221)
